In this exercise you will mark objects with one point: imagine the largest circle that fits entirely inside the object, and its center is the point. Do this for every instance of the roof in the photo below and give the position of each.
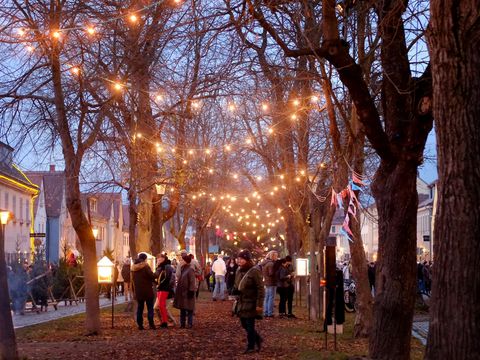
(53, 188)
(12, 173)
(104, 204)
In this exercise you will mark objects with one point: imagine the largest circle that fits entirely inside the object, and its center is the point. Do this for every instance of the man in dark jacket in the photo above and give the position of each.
(286, 287)
(126, 279)
(249, 288)
(142, 279)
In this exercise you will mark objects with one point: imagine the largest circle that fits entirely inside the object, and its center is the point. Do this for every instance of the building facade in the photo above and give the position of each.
(17, 194)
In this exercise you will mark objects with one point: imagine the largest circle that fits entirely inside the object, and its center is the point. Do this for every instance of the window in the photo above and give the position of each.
(333, 230)
(14, 206)
(93, 205)
(20, 214)
(6, 201)
(27, 210)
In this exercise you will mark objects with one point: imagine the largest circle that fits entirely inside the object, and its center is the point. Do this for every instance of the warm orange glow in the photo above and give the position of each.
(133, 18)
(56, 34)
(91, 30)
(75, 70)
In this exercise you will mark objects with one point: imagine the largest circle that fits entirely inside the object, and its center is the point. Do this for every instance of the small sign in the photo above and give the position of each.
(426, 237)
(213, 249)
(37, 235)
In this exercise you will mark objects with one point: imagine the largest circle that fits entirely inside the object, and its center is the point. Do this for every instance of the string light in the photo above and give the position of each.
(75, 70)
(296, 102)
(264, 106)
(293, 117)
(133, 18)
(56, 34)
(91, 30)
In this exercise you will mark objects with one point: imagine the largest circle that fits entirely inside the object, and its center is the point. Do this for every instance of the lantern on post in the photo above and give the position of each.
(105, 276)
(302, 267)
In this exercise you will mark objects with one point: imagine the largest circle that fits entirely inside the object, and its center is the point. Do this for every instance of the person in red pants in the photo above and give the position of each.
(164, 272)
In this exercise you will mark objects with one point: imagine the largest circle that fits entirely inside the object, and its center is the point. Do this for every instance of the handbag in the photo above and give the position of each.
(235, 307)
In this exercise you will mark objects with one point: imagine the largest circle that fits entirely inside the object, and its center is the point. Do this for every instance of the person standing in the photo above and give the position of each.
(270, 280)
(286, 287)
(126, 279)
(164, 273)
(142, 279)
(220, 270)
(230, 275)
(185, 292)
(250, 291)
(207, 274)
(371, 277)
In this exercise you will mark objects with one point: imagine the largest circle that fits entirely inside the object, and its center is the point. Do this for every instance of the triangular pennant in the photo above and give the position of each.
(333, 201)
(356, 179)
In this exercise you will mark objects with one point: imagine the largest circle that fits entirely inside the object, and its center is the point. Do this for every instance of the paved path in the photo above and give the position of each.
(32, 318)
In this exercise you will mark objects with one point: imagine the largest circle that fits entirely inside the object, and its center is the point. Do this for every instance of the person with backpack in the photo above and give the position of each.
(250, 291)
(164, 273)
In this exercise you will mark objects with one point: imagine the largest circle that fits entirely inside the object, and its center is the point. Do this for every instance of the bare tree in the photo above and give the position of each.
(453, 37)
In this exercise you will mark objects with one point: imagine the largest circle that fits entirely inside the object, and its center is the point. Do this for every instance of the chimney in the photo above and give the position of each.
(52, 168)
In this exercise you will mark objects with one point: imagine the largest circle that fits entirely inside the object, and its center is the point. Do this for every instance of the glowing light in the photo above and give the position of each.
(297, 179)
(282, 177)
(195, 104)
(270, 130)
(208, 151)
(259, 178)
(228, 148)
(296, 102)
(293, 117)
(75, 70)
(210, 171)
(174, 150)
(322, 165)
(194, 197)
(91, 30)
(302, 172)
(159, 97)
(235, 176)
(231, 107)
(30, 48)
(21, 32)
(56, 34)
(117, 86)
(314, 98)
(217, 226)
(249, 141)
(133, 18)
(184, 162)
(190, 152)
(264, 106)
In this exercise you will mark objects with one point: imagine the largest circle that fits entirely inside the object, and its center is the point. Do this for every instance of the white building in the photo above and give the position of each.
(17, 193)
(425, 220)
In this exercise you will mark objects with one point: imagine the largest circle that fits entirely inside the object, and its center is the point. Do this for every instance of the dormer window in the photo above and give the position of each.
(93, 205)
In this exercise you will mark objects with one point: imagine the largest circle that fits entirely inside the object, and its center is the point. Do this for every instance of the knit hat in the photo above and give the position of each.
(142, 256)
(245, 254)
(187, 258)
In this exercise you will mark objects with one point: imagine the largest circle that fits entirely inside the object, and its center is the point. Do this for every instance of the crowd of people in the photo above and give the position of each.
(251, 285)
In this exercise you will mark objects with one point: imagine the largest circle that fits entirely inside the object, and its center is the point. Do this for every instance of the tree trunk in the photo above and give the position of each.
(132, 226)
(396, 198)
(455, 308)
(8, 346)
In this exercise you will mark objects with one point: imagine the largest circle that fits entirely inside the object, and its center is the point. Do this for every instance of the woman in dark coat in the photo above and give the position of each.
(249, 288)
(164, 273)
(230, 276)
(143, 279)
(185, 292)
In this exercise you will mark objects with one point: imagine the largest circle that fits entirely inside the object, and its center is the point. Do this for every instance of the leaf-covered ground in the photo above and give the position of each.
(215, 335)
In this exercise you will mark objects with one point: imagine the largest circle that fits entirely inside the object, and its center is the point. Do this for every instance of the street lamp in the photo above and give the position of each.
(8, 350)
(105, 276)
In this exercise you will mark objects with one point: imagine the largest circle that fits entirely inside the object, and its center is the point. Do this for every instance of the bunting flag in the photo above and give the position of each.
(356, 179)
(339, 201)
(352, 194)
(333, 201)
(346, 225)
(343, 232)
(352, 209)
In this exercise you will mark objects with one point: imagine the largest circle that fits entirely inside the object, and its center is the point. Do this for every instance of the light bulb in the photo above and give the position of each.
(296, 102)
(91, 30)
(133, 18)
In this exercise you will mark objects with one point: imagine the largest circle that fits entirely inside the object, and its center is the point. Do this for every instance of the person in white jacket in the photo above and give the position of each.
(220, 270)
